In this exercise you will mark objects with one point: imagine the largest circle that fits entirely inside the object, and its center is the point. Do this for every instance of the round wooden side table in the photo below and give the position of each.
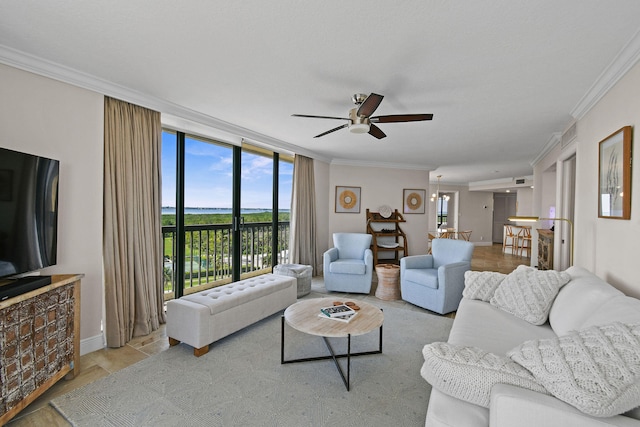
(388, 282)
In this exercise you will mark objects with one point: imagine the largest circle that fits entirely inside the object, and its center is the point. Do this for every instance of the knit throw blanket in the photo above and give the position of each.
(468, 373)
(597, 370)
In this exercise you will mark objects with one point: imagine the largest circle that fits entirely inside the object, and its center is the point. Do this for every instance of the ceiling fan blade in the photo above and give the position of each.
(332, 130)
(397, 118)
(376, 131)
(319, 117)
(369, 105)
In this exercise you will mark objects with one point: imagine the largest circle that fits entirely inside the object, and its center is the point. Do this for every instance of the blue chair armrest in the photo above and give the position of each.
(331, 254)
(417, 261)
(453, 274)
(368, 257)
(456, 266)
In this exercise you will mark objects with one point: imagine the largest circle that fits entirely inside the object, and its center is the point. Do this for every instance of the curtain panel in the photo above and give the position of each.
(132, 230)
(302, 243)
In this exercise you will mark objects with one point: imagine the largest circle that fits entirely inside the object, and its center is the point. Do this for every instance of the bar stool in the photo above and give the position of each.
(525, 236)
(509, 234)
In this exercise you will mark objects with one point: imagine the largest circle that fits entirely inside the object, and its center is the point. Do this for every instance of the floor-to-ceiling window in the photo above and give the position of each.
(218, 210)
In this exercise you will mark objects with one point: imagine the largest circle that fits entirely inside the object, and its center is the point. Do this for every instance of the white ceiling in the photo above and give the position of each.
(502, 77)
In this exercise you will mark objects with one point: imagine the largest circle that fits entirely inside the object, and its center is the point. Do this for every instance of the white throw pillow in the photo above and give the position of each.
(468, 373)
(528, 293)
(481, 285)
(597, 370)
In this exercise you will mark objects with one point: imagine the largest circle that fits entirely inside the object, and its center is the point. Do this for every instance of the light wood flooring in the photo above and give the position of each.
(101, 363)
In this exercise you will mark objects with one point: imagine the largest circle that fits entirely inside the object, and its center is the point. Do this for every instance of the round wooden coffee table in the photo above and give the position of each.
(304, 317)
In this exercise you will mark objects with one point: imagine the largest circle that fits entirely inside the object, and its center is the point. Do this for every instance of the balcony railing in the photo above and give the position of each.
(208, 250)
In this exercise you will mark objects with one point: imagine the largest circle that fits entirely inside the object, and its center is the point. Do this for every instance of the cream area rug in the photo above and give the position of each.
(241, 382)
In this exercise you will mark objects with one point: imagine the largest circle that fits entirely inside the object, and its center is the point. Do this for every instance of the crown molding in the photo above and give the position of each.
(206, 125)
(621, 64)
(555, 139)
(385, 165)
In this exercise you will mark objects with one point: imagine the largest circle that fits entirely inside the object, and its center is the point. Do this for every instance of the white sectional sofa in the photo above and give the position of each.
(204, 317)
(584, 301)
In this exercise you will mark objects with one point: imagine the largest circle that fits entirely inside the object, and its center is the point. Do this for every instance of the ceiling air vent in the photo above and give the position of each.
(520, 181)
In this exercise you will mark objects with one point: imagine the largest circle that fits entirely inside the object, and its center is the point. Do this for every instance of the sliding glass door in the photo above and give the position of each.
(256, 211)
(220, 220)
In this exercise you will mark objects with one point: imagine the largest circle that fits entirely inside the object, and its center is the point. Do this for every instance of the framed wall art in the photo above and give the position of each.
(614, 175)
(413, 201)
(347, 199)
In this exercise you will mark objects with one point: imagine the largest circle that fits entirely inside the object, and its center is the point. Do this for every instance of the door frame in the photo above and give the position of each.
(565, 203)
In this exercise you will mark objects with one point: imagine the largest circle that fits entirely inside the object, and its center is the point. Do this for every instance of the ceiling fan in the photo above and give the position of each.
(360, 120)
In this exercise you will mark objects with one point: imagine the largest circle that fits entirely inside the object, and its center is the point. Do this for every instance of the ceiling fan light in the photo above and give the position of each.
(359, 128)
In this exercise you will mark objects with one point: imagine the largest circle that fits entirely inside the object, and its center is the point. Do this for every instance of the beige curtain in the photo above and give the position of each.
(303, 213)
(132, 234)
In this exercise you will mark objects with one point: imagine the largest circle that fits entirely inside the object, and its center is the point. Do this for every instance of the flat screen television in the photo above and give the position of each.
(28, 219)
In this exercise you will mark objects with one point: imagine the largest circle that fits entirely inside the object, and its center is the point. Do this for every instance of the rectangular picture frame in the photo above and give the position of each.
(614, 175)
(413, 200)
(347, 199)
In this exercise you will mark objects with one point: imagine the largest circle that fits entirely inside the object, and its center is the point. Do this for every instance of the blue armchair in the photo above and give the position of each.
(348, 266)
(436, 281)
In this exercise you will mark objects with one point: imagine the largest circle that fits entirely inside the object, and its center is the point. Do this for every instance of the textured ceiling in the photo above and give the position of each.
(500, 77)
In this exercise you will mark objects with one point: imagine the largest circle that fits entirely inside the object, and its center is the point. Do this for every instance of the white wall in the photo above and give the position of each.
(476, 214)
(52, 119)
(525, 202)
(379, 186)
(608, 247)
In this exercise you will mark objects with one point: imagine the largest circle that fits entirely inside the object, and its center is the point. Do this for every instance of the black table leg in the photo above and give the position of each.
(345, 379)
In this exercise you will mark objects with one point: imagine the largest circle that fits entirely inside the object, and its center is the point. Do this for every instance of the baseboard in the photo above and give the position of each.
(89, 345)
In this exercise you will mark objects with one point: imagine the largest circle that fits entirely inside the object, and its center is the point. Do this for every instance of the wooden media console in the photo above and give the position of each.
(39, 342)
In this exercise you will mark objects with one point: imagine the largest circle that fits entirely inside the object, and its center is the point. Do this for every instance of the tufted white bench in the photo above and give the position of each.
(204, 317)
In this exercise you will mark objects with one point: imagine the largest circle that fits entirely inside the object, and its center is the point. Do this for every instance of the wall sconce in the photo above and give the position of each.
(535, 219)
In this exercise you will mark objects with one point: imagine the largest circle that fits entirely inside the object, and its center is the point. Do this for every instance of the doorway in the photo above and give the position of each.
(566, 197)
(504, 206)
(447, 210)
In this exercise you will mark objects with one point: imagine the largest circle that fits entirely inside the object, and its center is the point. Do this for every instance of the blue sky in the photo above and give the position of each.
(208, 169)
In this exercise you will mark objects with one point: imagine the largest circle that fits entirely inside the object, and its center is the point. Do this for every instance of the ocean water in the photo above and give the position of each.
(171, 211)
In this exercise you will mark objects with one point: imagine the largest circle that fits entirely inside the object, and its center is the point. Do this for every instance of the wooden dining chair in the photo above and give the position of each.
(448, 233)
(430, 238)
(465, 235)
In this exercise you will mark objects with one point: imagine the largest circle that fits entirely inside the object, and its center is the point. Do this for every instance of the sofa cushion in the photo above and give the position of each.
(587, 301)
(597, 370)
(348, 266)
(482, 325)
(468, 373)
(620, 308)
(578, 300)
(481, 285)
(427, 277)
(234, 294)
(528, 293)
